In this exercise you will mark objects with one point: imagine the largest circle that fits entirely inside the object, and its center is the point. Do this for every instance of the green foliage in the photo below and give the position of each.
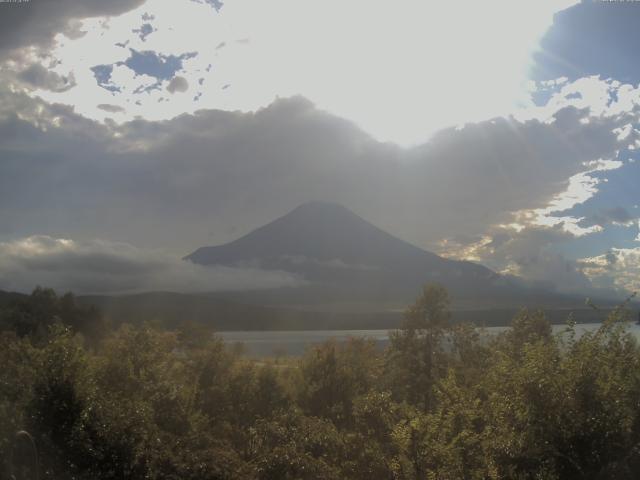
(442, 401)
(332, 376)
(18, 361)
(294, 446)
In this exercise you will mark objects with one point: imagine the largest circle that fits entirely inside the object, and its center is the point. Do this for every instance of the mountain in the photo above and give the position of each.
(337, 251)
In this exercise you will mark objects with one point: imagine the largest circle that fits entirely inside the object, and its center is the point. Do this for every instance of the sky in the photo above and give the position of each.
(133, 132)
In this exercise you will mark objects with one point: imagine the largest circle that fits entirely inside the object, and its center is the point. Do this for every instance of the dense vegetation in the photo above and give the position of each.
(442, 402)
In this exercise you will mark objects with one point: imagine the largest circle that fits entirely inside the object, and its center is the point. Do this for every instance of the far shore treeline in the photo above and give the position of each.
(100, 399)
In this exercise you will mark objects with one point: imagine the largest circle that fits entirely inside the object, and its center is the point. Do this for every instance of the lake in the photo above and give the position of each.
(295, 343)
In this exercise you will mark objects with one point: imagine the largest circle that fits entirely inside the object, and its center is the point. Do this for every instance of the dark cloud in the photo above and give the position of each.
(592, 38)
(616, 215)
(36, 22)
(111, 108)
(37, 76)
(611, 259)
(178, 84)
(182, 183)
(105, 267)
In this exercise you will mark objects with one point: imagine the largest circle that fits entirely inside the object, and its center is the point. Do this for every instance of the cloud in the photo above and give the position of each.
(36, 22)
(529, 254)
(105, 267)
(592, 37)
(207, 178)
(616, 216)
(111, 108)
(405, 113)
(178, 84)
(619, 268)
(240, 170)
(37, 76)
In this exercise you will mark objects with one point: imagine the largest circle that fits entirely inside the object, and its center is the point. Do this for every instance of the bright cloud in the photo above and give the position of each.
(527, 253)
(619, 267)
(347, 57)
(582, 186)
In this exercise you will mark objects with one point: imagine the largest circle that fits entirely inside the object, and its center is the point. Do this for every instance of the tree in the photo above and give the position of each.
(332, 376)
(33, 315)
(416, 355)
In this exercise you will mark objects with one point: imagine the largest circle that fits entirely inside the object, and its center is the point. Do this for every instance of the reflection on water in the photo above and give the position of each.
(263, 344)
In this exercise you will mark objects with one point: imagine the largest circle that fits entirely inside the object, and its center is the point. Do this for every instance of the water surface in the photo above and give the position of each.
(292, 342)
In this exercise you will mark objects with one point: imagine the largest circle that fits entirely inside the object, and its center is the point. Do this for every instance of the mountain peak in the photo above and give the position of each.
(317, 208)
(317, 230)
(320, 205)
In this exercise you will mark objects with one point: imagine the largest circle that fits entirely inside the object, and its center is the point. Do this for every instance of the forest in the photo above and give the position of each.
(92, 400)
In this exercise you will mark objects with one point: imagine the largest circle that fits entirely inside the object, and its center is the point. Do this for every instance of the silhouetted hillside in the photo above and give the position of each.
(222, 314)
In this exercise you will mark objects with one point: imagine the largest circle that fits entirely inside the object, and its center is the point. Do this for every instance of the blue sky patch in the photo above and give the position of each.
(162, 67)
(619, 190)
(103, 77)
(614, 236)
(156, 65)
(144, 31)
(216, 4)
